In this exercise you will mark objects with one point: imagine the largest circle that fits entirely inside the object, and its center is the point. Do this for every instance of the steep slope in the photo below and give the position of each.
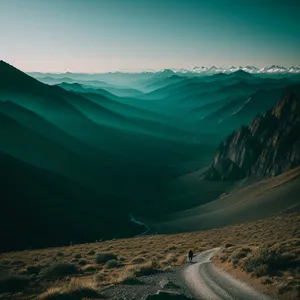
(268, 146)
(40, 208)
(230, 113)
(46, 153)
(36, 123)
(91, 122)
(121, 115)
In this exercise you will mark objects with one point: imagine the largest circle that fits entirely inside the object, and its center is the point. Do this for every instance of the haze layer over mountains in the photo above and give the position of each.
(81, 153)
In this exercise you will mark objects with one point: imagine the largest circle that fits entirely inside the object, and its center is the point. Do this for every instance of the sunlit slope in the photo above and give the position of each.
(263, 199)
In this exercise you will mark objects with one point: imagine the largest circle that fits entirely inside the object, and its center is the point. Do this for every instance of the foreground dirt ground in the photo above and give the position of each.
(97, 265)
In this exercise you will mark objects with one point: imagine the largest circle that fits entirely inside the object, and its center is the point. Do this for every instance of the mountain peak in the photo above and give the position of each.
(241, 73)
(7, 69)
(13, 78)
(4, 64)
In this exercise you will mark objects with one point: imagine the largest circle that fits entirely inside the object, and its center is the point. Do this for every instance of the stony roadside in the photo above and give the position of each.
(170, 280)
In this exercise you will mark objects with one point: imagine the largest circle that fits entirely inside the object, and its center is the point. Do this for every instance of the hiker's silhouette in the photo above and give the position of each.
(191, 254)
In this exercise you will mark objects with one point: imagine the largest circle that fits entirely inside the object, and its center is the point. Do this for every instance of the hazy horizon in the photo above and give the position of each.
(140, 70)
(113, 35)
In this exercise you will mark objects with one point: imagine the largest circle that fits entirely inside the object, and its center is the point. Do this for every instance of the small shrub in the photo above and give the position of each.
(13, 283)
(4, 262)
(128, 278)
(121, 258)
(33, 270)
(223, 258)
(238, 254)
(91, 252)
(138, 260)
(82, 262)
(173, 259)
(297, 288)
(172, 248)
(22, 272)
(147, 268)
(78, 255)
(59, 270)
(111, 264)
(89, 268)
(71, 291)
(272, 259)
(284, 287)
(103, 258)
(18, 263)
(266, 281)
(260, 271)
(235, 262)
(59, 254)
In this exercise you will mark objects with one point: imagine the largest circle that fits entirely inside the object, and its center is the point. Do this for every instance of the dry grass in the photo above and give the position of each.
(58, 271)
(276, 264)
(143, 269)
(103, 257)
(71, 291)
(130, 255)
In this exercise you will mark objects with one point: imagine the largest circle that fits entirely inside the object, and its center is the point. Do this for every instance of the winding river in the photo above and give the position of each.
(132, 219)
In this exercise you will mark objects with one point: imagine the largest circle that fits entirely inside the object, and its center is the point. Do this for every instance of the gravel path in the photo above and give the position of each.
(197, 280)
(211, 283)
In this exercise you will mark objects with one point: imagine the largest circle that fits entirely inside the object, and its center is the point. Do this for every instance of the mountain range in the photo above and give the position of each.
(92, 150)
(249, 69)
(273, 69)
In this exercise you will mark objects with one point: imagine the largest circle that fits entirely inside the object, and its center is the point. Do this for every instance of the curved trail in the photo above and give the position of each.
(211, 283)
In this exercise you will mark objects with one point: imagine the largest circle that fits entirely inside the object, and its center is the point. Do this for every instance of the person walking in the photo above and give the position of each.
(191, 254)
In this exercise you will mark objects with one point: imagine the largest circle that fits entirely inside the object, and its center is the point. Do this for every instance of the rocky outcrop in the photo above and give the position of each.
(268, 146)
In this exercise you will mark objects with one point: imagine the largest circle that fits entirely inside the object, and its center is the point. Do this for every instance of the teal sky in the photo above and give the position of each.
(109, 35)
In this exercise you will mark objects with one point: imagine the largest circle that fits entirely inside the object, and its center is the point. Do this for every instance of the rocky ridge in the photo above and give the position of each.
(268, 146)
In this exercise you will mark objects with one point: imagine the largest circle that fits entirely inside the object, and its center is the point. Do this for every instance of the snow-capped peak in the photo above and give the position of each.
(249, 69)
(273, 69)
(294, 70)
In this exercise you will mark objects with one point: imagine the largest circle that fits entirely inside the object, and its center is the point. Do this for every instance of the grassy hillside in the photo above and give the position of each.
(114, 261)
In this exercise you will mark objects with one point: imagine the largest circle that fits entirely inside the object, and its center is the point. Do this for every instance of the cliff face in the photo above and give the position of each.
(269, 146)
